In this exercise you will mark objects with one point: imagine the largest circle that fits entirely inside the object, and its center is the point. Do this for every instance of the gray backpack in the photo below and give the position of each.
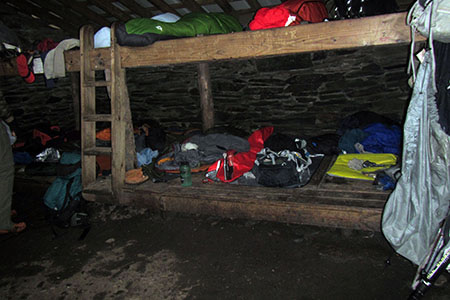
(431, 18)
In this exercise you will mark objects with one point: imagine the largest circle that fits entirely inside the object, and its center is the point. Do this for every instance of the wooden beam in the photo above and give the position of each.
(61, 11)
(43, 16)
(111, 9)
(82, 9)
(370, 31)
(226, 7)
(163, 6)
(193, 6)
(119, 119)
(206, 98)
(254, 4)
(75, 83)
(135, 8)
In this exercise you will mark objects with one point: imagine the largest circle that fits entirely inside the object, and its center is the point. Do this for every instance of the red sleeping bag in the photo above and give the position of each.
(243, 162)
(291, 12)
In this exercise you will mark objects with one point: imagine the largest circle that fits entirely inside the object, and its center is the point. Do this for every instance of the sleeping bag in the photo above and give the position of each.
(145, 31)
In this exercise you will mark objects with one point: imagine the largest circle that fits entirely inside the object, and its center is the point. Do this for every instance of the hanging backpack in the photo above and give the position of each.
(66, 206)
(431, 18)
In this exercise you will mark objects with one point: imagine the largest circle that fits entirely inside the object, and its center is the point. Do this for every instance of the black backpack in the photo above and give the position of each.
(357, 8)
(286, 168)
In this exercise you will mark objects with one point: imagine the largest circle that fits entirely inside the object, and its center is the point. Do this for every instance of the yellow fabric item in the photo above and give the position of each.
(340, 167)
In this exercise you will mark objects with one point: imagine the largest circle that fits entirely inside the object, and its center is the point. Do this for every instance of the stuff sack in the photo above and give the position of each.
(66, 206)
(282, 169)
(288, 13)
(431, 18)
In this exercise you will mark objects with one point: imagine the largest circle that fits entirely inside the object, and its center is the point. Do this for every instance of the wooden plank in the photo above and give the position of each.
(370, 31)
(130, 146)
(97, 118)
(97, 151)
(87, 74)
(323, 168)
(290, 212)
(312, 206)
(206, 98)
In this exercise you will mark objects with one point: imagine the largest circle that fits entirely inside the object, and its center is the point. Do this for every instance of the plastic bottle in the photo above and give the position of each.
(185, 174)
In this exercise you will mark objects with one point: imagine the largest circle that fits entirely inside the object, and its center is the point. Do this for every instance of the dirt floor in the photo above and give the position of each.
(132, 253)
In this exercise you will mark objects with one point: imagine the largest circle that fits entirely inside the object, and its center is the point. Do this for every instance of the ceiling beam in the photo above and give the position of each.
(163, 6)
(193, 6)
(254, 4)
(61, 11)
(43, 15)
(137, 9)
(226, 7)
(111, 9)
(82, 9)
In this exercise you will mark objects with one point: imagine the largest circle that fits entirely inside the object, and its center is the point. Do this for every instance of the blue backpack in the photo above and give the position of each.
(63, 198)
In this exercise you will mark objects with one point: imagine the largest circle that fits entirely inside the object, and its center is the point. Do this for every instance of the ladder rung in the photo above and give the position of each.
(97, 118)
(97, 151)
(97, 83)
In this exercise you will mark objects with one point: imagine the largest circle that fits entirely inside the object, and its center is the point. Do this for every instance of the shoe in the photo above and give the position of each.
(16, 228)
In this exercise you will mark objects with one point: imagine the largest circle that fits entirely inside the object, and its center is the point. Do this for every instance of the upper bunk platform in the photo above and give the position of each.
(352, 33)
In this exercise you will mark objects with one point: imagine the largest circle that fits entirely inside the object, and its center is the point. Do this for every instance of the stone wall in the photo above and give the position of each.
(305, 94)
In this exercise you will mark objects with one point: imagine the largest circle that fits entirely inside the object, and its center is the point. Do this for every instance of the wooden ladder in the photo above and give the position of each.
(122, 150)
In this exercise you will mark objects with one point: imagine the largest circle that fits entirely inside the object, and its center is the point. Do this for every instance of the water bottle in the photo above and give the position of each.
(185, 174)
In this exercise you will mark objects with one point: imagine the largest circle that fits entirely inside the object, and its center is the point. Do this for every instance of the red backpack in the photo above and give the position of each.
(312, 11)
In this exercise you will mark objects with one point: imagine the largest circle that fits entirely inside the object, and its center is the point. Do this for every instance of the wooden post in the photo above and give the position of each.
(87, 76)
(75, 79)
(130, 146)
(118, 123)
(206, 100)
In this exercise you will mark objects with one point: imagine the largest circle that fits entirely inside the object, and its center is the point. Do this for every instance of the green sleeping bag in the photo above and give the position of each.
(192, 24)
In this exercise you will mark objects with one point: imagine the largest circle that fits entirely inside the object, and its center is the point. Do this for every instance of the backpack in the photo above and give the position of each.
(431, 18)
(282, 169)
(65, 205)
(360, 8)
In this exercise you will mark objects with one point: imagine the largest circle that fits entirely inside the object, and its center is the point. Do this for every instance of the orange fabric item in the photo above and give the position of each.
(135, 176)
(43, 136)
(104, 135)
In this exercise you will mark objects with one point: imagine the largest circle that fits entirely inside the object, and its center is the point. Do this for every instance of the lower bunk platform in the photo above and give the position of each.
(325, 201)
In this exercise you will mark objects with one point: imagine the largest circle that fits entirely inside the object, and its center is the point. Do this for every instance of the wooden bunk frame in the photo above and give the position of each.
(324, 201)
